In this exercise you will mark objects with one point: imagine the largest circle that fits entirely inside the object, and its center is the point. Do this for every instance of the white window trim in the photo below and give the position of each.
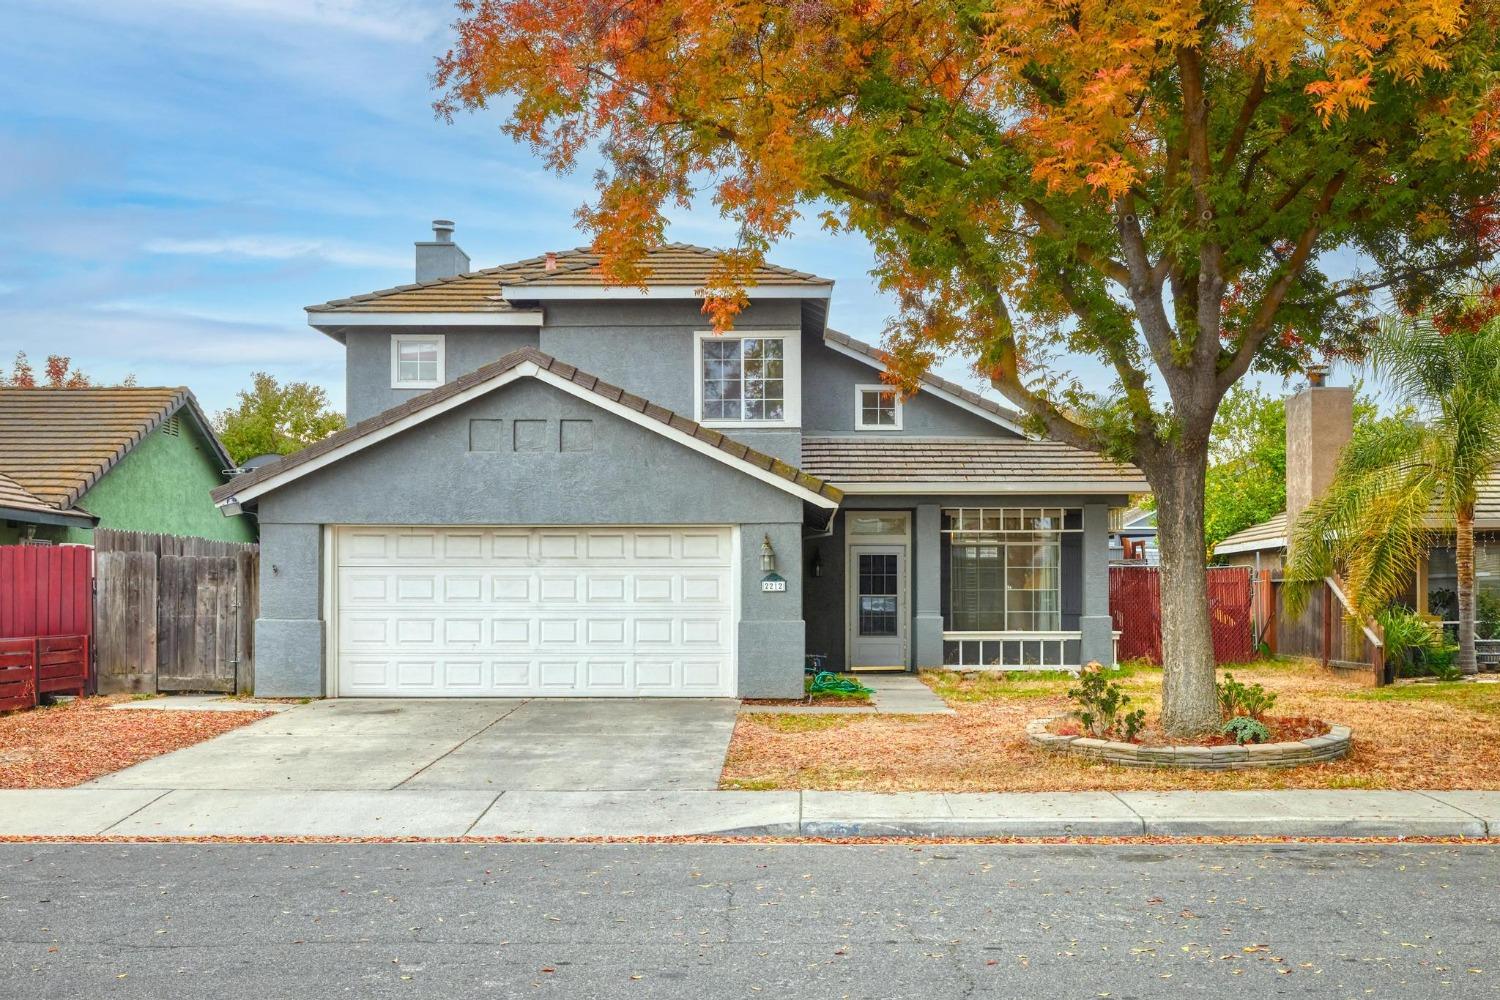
(791, 360)
(397, 339)
(859, 392)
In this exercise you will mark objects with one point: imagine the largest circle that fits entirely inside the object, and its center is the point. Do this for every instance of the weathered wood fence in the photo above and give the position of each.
(1135, 605)
(174, 614)
(1326, 630)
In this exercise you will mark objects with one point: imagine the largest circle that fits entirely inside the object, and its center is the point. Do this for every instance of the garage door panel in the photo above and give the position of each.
(435, 612)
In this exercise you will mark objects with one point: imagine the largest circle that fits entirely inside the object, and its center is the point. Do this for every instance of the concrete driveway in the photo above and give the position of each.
(489, 745)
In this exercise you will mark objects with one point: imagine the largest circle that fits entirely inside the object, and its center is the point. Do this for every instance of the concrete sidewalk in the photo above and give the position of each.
(413, 812)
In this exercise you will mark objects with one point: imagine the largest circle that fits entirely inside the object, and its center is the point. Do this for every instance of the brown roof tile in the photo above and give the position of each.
(1271, 533)
(56, 443)
(479, 291)
(874, 459)
(490, 371)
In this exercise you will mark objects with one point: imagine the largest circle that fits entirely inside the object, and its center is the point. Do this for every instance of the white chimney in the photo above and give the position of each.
(440, 257)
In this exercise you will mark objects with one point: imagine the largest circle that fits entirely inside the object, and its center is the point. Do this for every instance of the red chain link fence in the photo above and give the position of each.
(1135, 605)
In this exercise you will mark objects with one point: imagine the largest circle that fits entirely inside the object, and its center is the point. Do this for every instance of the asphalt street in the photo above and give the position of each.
(689, 920)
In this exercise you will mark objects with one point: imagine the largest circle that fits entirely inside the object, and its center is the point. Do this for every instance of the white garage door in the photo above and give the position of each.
(505, 612)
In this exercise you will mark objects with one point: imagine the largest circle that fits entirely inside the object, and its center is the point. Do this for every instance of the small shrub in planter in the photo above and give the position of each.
(1102, 707)
(1250, 700)
(1243, 729)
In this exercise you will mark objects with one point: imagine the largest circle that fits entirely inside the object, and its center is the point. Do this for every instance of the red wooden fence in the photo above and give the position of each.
(1135, 605)
(17, 674)
(46, 621)
(46, 590)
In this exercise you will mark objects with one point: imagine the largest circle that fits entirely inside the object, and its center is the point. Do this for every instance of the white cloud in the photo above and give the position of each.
(278, 248)
(392, 20)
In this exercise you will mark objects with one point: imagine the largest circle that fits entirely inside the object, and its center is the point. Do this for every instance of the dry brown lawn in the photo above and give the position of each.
(63, 745)
(1433, 736)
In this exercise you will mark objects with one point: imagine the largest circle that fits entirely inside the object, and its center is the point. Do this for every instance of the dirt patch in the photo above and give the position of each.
(1432, 736)
(60, 746)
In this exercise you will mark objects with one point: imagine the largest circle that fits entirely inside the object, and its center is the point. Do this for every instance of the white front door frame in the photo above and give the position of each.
(895, 541)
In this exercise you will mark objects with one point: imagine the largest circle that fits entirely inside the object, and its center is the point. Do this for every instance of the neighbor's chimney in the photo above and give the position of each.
(440, 257)
(1319, 422)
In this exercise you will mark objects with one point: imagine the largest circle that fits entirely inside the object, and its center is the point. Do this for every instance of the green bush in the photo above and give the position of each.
(1408, 637)
(1102, 706)
(1246, 730)
(1251, 700)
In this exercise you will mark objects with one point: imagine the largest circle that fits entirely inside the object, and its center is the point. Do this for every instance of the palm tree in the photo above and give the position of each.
(1391, 491)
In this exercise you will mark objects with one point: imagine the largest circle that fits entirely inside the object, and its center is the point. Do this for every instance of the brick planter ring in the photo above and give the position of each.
(1330, 746)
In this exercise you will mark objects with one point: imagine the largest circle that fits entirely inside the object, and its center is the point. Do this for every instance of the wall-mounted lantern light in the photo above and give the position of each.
(767, 556)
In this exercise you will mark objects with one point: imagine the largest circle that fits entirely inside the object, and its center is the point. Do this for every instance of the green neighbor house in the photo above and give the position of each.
(132, 459)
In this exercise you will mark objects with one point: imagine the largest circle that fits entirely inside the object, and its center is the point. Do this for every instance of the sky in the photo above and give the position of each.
(178, 179)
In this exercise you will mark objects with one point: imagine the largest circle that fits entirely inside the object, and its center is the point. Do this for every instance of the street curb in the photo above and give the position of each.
(1301, 814)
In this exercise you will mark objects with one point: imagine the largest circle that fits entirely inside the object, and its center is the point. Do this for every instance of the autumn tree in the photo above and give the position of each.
(275, 419)
(58, 373)
(1173, 188)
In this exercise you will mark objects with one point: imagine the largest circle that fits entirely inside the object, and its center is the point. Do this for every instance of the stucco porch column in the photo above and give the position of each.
(1095, 626)
(927, 587)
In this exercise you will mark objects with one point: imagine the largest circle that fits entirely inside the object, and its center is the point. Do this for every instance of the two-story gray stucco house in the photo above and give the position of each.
(556, 486)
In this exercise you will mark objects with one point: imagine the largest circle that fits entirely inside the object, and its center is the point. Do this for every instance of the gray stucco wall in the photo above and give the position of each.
(647, 348)
(367, 366)
(829, 378)
(1085, 568)
(430, 476)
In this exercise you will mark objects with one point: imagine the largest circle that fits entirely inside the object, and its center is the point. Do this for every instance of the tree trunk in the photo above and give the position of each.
(1464, 545)
(1190, 704)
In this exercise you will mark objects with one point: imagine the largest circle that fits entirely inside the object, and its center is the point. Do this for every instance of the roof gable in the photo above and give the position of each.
(57, 443)
(527, 362)
(941, 387)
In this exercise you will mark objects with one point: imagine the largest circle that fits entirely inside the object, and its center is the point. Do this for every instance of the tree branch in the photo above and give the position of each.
(1238, 362)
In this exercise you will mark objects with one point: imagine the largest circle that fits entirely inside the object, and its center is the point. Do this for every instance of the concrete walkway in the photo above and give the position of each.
(409, 812)
(895, 694)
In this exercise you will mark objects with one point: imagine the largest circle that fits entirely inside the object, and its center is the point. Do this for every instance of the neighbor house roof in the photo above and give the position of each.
(872, 464)
(941, 386)
(1272, 533)
(1268, 534)
(19, 503)
(479, 291)
(55, 444)
(250, 484)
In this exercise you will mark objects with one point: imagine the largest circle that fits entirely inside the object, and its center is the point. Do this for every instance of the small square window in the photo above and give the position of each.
(416, 361)
(877, 408)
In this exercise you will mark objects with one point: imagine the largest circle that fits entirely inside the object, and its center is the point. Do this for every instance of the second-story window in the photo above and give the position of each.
(750, 379)
(876, 408)
(416, 361)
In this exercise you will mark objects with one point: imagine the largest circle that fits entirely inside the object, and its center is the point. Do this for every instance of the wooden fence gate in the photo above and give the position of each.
(1135, 606)
(175, 614)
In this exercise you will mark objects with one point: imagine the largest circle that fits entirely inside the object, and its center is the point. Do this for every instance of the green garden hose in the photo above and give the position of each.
(828, 682)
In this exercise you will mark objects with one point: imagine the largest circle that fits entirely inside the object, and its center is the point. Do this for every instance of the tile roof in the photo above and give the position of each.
(16, 497)
(849, 460)
(1271, 533)
(479, 291)
(1268, 534)
(550, 364)
(953, 388)
(57, 443)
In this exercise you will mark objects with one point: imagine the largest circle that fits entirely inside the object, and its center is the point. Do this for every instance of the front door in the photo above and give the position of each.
(877, 607)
